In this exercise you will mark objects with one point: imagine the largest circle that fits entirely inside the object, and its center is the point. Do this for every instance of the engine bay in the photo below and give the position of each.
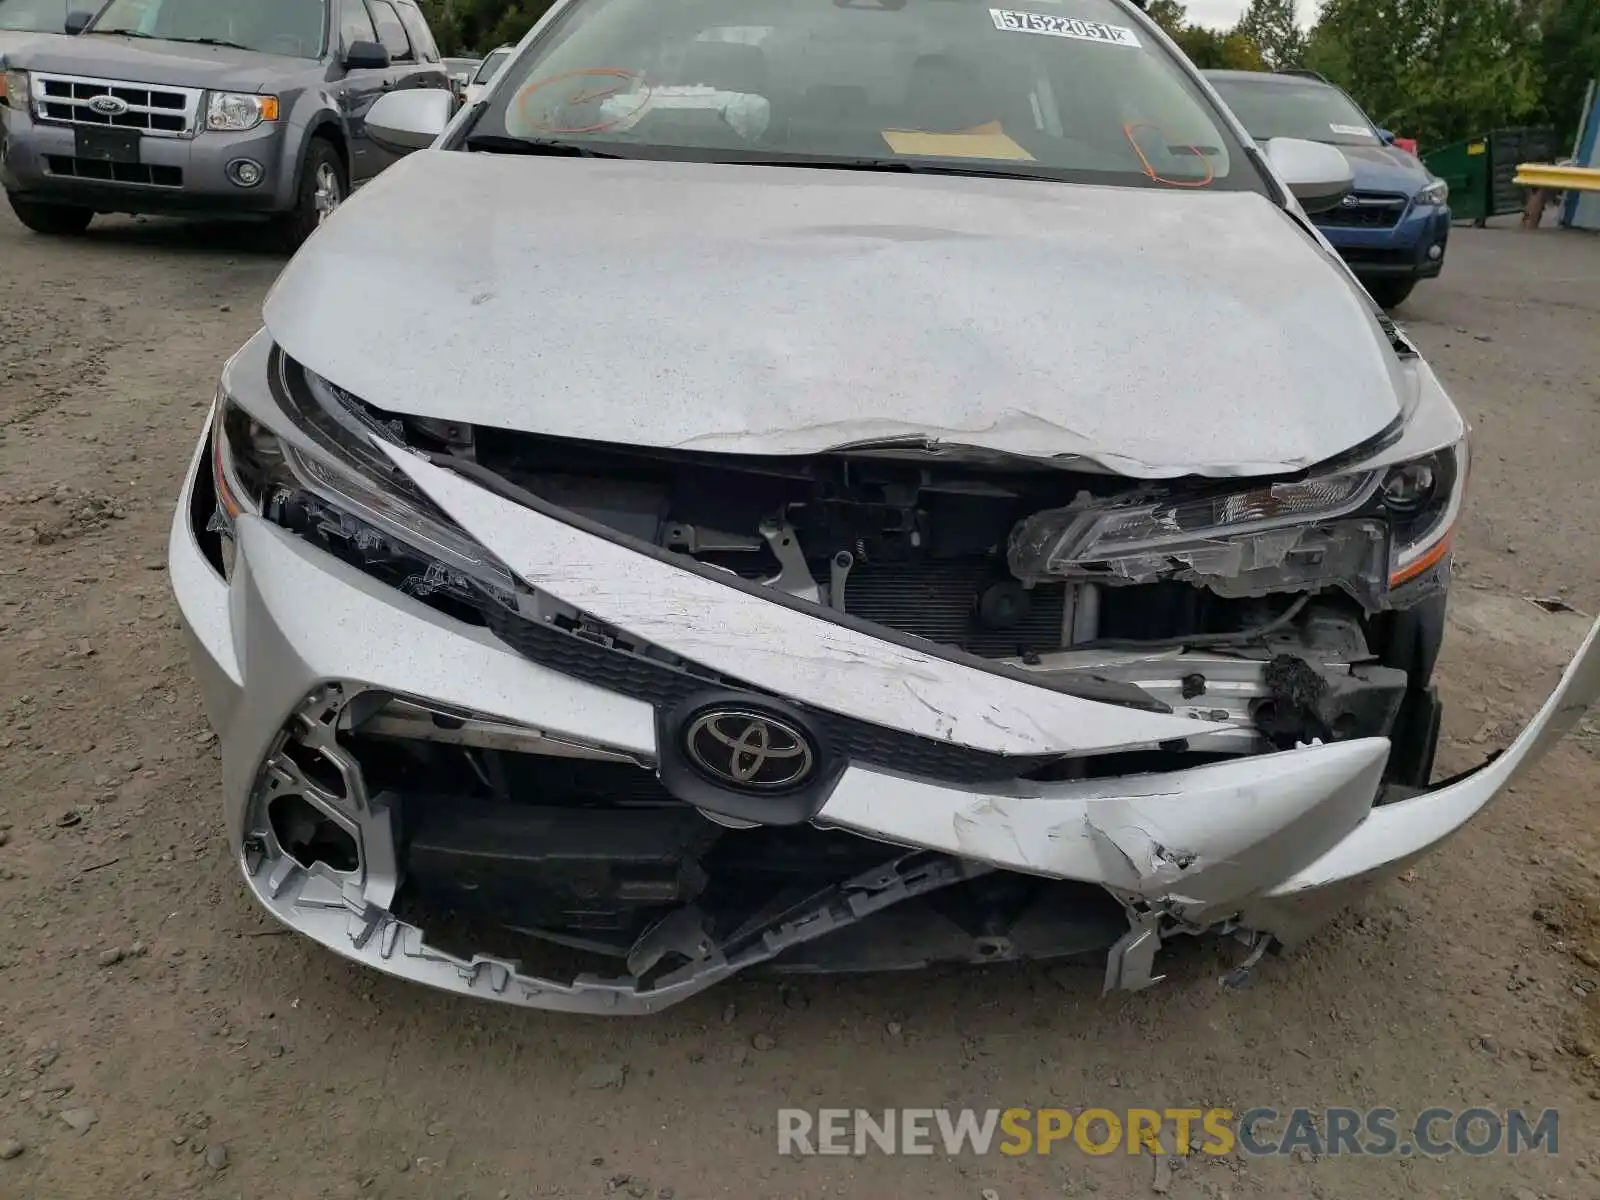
(917, 543)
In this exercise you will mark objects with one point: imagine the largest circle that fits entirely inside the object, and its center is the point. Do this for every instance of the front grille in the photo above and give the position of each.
(110, 172)
(939, 600)
(1371, 256)
(1369, 210)
(665, 685)
(141, 107)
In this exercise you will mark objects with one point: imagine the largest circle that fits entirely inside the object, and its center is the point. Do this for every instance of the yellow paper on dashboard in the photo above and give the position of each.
(981, 141)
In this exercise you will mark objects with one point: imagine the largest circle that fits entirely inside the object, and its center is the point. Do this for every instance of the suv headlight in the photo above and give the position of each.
(235, 112)
(16, 90)
(1365, 532)
(1436, 192)
(326, 480)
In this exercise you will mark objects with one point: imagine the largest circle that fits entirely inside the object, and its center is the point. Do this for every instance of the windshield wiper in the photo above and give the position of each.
(200, 41)
(908, 166)
(498, 143)
(210, 41)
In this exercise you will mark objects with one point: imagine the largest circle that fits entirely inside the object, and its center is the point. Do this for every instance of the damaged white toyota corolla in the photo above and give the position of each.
(832, 486)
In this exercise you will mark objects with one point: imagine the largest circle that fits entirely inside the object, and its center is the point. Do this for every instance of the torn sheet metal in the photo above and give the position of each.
(797, 655)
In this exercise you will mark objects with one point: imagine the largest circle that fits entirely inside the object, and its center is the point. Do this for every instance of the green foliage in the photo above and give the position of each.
(1274, 27)
(475, 27)
(1169, 14)
(1437, 70)
(1207, 48)
(1569, 56)
(1213, 51)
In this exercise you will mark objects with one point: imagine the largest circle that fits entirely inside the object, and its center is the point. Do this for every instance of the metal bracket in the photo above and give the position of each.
(794, 575)
(1132, 960)
(838, 576)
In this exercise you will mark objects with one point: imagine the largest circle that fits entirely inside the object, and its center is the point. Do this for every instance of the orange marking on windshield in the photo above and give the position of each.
(1211, 174)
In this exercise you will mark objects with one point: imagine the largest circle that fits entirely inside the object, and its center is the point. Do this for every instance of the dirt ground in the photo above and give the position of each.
(221, 1059)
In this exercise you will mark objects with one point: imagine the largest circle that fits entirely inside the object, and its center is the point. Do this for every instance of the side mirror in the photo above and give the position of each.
(77, 22)
(365, 56)
(1386, 136)
(401, 122)
(1318, 174)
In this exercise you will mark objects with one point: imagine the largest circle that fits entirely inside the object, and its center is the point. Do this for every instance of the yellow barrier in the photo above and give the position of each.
(1560, 179)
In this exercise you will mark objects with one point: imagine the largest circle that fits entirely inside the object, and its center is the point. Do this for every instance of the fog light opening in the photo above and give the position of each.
(1435, 252)
(317, 768)
(310, 836)
(245, 172)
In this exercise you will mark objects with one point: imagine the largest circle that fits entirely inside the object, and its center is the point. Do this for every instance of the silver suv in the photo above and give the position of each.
(211, 107)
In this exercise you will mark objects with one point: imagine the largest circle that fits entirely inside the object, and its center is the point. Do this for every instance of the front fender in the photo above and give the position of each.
(311, 113)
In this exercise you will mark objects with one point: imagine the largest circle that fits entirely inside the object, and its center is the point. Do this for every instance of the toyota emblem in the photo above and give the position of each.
(749, 751)
(109, 106)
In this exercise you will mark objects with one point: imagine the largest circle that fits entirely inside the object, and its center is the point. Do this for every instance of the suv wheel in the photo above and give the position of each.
(1391, 293)
(55, 220)
(324, 185)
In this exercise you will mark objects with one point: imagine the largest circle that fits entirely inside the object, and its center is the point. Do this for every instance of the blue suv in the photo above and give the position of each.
(1394, 227)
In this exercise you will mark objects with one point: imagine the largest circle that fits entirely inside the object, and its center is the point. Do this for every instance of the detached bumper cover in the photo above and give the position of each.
(1274, 843)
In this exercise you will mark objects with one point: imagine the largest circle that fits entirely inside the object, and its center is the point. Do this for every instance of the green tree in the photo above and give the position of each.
(478, 26)
(1274, 26)
(1211, 50)
(1437, 70)
(1169, 14)
(1569, 57)
(1208, 49)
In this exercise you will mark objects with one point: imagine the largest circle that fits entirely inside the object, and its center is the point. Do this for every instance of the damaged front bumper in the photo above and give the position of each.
(298, 653)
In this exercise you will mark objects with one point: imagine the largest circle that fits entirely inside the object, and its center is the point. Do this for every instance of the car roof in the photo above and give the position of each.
(1270, 78)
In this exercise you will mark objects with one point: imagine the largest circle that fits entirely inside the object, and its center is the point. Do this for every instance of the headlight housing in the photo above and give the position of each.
(1422, 499)
(236, 112)
(1435, 192)
(16, 93)
(327, 481)
(1367, 532)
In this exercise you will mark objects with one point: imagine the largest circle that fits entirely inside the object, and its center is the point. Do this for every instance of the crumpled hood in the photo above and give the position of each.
(790, 311)
(1385, 169)
(149, 60)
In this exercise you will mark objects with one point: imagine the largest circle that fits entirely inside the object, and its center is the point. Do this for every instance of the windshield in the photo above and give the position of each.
(492, 65)
(1066, 89)
(34, 16)
(294, 28)
(1275, 106)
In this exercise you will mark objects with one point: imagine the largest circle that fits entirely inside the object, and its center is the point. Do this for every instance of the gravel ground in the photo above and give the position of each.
(159, 1039)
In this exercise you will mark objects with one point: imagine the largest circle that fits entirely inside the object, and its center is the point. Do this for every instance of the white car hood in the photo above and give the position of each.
(777, 310)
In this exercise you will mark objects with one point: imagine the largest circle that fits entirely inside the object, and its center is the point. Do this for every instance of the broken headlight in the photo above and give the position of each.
(327, 481)
(1365, 532)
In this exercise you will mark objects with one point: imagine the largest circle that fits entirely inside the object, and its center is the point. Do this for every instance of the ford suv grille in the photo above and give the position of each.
(159, 111)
